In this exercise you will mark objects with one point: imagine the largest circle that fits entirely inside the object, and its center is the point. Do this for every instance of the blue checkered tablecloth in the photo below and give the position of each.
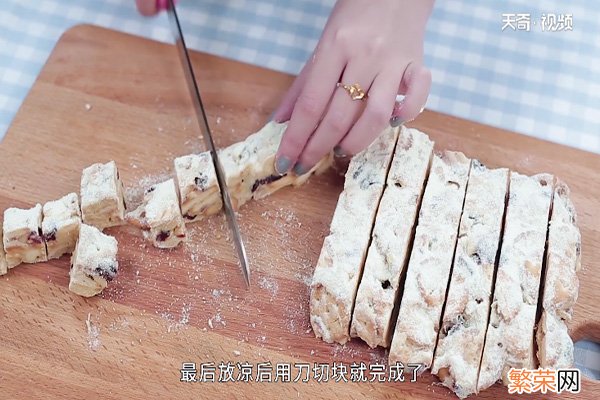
(541, 83)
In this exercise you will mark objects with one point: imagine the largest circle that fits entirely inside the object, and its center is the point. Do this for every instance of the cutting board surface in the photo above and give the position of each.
(105, 95)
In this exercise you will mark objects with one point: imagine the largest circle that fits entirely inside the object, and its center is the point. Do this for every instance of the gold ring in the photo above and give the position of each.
(354, 90)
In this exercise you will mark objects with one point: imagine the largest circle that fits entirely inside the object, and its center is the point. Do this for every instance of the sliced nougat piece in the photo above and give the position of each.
(429, 266)
(94, 262)
(509, 337)
(389, 250)
(159, 216)
(102, 202)
(462, 334)
(198, 187)
(250, 165)
(561, 287)
(249, 170)
(60, 225)
(3, 264)
(23, 241)
(340, 264)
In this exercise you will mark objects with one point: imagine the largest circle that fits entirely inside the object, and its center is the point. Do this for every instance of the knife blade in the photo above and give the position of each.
(188, 71)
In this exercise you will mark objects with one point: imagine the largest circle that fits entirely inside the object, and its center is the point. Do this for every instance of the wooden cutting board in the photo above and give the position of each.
(105, 95)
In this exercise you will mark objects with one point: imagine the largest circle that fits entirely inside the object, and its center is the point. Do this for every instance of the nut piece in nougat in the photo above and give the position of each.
(94, 262)
(60, 225)
(198, 187)
(102, 202)
(159, 216)
(23, 241)
(3, 265)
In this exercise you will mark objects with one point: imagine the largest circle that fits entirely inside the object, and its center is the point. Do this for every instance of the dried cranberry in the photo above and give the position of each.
(50, 236)
(181, 235)
(162, 236)
(265, 181)
(107, 270)
(34, 238)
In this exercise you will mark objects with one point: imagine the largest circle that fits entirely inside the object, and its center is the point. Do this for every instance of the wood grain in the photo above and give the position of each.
(189, 304)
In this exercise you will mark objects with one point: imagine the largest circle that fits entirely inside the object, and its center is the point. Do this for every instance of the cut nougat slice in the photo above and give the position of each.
(389, 250)
(102, 202)
(60, 225)
(509, 338)
(94, 262)
(23, 241)
(428, 270)
(3, 264)
(159, 216)
(198, 187)
(339, 267)
(249, 170)
(462, 334)
(561, 287)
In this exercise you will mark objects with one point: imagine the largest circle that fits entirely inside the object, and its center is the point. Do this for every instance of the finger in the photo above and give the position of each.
(416, 83)
(376, 115)
(308, 108)
(147, 7)
(284, 111)
(339, 118)
(152, 7)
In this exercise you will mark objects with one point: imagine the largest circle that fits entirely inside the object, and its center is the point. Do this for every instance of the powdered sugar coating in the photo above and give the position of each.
(462, 334)
(389, 249)
(340, 263)
(198, 186)
(23, 242)
(159, 216)
(509, 338)
(561, 287)
(249, 168)
(94, 262)
(60, 225)
(430, 261)
(102, 202)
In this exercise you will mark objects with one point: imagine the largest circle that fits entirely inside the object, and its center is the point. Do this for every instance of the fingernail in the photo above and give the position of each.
(338, 152)
(162, 5)
(282, 165)
(396, 121)
(300, 169)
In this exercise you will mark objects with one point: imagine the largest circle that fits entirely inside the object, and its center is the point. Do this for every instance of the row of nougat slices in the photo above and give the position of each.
(63, 227)
(342, 307)
(194, 193)
(35, 235)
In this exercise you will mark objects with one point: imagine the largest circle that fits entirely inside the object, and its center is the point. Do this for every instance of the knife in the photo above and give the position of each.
(188, 71)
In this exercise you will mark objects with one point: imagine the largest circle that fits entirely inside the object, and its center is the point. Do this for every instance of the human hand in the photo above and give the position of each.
(151, 7)
(377, 44)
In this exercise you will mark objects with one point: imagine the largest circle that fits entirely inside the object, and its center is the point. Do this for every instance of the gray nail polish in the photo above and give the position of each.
(396, 121)
(300, 169)
(338, 152)
(282, 165)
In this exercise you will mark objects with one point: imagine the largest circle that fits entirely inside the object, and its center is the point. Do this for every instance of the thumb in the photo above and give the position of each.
(415, 86)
